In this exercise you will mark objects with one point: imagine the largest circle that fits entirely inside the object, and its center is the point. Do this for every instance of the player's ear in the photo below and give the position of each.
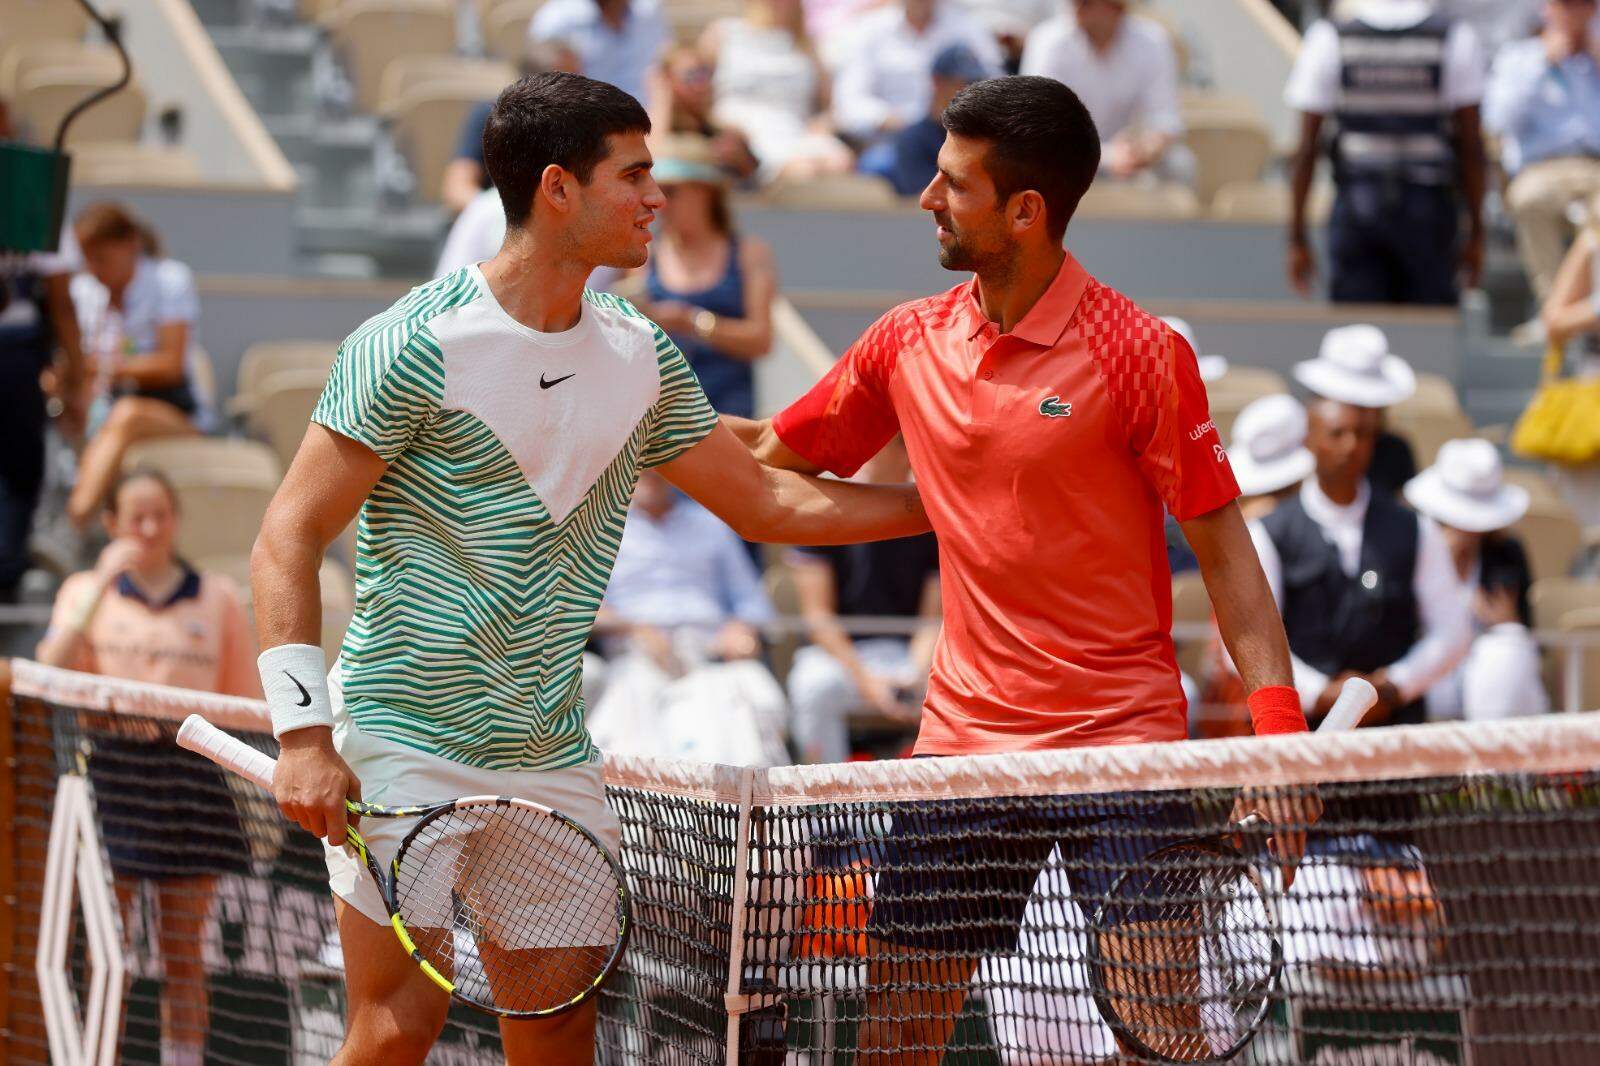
(555, 187)
(1027, 211)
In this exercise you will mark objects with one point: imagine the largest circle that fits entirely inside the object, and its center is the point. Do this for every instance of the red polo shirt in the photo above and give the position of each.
(1045, 457)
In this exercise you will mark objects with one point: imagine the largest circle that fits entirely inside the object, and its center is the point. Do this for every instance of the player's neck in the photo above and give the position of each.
(539, 287)
(1006, 294)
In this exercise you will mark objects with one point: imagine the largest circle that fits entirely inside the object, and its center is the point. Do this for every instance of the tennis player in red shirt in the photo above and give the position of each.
(1050, 423)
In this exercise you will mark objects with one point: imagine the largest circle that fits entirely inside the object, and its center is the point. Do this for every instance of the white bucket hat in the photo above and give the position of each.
(1356, 367)
(1268, 449)
(1212, 367)
(1465, 489)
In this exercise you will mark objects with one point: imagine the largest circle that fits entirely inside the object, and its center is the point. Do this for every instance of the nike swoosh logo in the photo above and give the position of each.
(543, 384)
(305, 697)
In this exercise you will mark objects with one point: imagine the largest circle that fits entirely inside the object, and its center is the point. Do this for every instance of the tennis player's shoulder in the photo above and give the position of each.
(1122, 332)
(388, 333)
(903, 324)
(634, 337)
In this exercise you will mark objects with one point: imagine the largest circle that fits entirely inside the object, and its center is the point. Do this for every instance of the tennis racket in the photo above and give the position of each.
(509, 906)
(1185, 952)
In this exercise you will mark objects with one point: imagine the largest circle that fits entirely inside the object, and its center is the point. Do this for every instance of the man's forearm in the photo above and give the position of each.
(1249, 622)
(799, 509)
(287, 588)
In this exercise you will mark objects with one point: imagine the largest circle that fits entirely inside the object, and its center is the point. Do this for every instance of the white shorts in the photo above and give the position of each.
(396, 775)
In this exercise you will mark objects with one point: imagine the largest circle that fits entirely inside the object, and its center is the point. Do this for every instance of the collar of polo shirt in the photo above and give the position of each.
(1047, 319)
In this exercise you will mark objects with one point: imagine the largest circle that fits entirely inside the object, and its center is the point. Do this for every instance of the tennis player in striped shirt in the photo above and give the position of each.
(489, 429)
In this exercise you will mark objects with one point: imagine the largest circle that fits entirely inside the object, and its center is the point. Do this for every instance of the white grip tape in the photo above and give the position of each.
(1356, 698)
(227, 751)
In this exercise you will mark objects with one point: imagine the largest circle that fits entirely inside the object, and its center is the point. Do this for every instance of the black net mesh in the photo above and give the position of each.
(1446, 918)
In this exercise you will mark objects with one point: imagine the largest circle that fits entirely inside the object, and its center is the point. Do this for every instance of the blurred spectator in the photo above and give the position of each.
(1126, 71)
(682, 101)
(1571, 317)
(1543, 101)
(38, 331)
(143, 614)
(1365, 586)
(1010, 22)
(1465, 492)
(465, 176)
(1402, 84)
(839, 674)
(679, 628)
(616, 40)
(1496, 22)
(910, 158)
(885, 79)
(708, 286)
(771, 86)
(137, 312)
(1356, 367)
(1269, 453)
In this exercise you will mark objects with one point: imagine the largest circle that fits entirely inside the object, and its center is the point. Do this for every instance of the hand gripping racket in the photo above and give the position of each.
(1185, 953)
(509, 906)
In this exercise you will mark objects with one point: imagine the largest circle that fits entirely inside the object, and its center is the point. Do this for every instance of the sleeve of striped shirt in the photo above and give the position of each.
(682, 416)
(385, 385)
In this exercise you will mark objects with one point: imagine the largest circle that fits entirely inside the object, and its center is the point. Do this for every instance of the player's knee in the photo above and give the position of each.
(397, 1034)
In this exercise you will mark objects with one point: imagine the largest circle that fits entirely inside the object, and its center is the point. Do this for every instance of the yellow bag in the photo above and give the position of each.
(1562, 424)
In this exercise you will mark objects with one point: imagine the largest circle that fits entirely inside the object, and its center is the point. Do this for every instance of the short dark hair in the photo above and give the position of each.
(552, 118)
(1040, 137)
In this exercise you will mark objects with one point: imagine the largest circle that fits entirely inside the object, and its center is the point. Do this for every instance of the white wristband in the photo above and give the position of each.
(295, 679)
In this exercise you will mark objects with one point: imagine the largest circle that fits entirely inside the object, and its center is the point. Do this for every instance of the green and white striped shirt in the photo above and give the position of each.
(483, 552)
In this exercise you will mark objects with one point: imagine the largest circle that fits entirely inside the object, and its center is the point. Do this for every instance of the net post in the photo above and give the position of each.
(734, 999)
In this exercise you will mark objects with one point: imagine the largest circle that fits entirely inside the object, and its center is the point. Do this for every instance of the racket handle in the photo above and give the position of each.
(227, 751)
(1355, 700)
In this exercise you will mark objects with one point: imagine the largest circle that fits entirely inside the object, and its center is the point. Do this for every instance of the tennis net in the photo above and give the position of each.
(1020, 910)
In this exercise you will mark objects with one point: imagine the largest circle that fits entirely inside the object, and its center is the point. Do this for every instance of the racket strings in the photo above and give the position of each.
(1189, 954)
(519, 909)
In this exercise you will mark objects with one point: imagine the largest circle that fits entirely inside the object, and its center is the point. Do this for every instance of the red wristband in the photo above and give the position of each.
(1276, 710)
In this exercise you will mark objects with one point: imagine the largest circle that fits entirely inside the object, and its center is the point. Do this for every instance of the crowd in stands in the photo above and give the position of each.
(1409, 577)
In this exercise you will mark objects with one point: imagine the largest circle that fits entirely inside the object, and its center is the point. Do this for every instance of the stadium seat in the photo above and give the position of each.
(1191, 605)
(841, 192)
(15, 62)
(1554, 598)
(29, 22)
(482, 78)
(1267, 202)
(1226, 150)
(282, 409)
(1552, 536)
(133, 164)
(1199, 105)
(1584, 620)
(1135, 201)
(427, 124)
(1540, 488)
(370, 34)
(181, 456)
(44, 96)
(1240, 386)
(505, 27)
(222, 509)
(1427, 429)
(269, 357)
(1435, 393)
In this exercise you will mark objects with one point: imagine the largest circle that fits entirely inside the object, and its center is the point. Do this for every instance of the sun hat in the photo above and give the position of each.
(1268, 446)
(1355, 366)
(1212, 367)
(1465, 489)
(681, 158)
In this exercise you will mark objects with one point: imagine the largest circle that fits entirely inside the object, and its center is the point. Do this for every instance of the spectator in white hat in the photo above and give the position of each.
(1366, 587)
(1466, 493)
(1356, 367)
(1269, 453)
(1212, 367)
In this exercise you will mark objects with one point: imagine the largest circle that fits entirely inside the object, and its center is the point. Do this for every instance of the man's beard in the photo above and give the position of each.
(957, 254)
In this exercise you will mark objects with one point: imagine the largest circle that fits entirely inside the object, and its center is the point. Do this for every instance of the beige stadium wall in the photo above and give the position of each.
(176, 62)
(1251, 47)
